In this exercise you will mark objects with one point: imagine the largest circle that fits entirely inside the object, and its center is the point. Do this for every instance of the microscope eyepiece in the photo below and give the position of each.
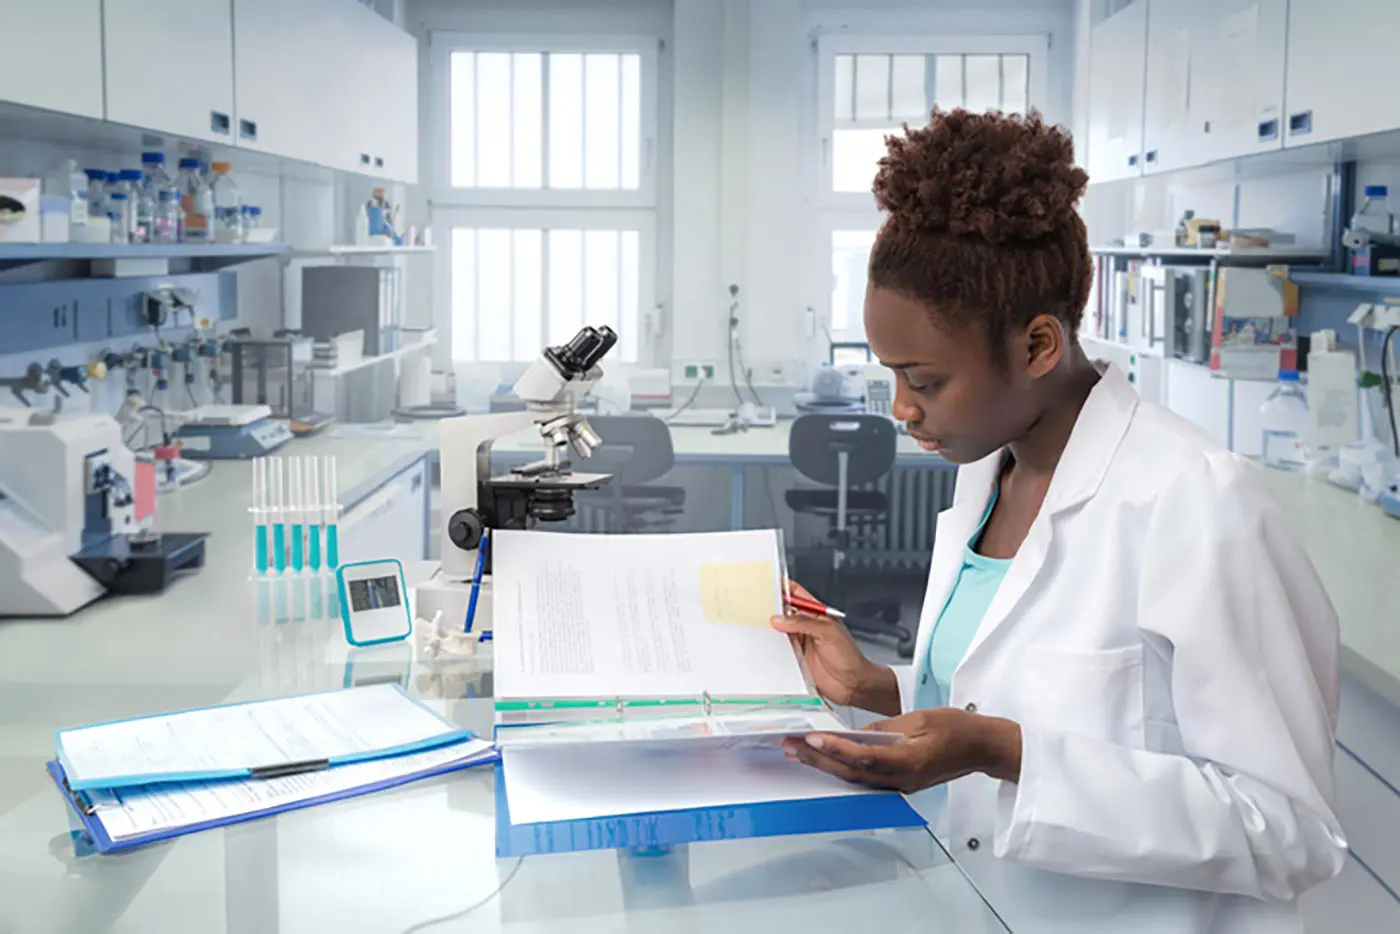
(581, 353)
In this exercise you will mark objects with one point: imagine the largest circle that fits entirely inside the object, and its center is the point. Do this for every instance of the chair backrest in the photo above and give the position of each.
(817, 440)
(636, 448)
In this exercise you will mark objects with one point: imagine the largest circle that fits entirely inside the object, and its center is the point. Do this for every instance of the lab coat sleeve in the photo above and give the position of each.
(904, 675)
(1247, 810)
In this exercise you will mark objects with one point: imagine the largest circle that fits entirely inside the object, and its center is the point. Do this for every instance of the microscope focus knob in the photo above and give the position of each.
(466, 528)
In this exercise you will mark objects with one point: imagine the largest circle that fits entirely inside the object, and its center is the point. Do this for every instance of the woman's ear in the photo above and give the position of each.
(1044, 345)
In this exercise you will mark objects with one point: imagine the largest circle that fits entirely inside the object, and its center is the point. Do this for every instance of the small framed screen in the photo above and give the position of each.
(374, 593)
(374, 602)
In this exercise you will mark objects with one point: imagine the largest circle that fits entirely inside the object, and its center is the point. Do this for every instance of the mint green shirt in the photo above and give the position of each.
(967, 603)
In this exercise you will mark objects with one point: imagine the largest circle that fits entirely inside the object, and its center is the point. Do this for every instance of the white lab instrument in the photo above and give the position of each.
(473, 501)
(1332, 396)
(218, 432)
(1221, 796)
(72, 501)
(373, 602)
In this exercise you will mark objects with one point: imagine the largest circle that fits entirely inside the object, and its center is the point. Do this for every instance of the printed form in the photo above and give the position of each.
(228, 741)
(640, 616)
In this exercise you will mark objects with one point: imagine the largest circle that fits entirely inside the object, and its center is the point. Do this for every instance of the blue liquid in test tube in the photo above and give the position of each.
(314, 546)
(279, 515)
(279, 546)
(332, 545)
(298, 516)
(260, 546)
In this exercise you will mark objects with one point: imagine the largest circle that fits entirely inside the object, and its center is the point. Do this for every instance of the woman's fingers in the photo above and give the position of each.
(801, 624)
(801, 752)
(797, 590)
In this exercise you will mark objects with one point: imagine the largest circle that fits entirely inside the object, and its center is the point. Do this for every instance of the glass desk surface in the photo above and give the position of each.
(418, 858)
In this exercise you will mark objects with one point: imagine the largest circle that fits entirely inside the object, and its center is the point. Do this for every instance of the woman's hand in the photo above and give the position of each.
(939, 745)
(841, 672)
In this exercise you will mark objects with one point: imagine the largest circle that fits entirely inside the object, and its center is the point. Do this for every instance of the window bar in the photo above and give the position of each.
(546, 236)
(889, 87)
(476, 294)
(510, 140)
(583, 120)
(930, 83)
(476, 120)
(620, 120)
(547, 182)
(620, 324)
(962, 63)
(510, 303)
(855, 64)
(1001, 83)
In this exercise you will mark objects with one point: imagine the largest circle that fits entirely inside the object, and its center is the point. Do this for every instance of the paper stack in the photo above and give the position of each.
(638, 675)
(133, 782)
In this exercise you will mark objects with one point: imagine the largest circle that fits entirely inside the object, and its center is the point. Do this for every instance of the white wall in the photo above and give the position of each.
(738, 132)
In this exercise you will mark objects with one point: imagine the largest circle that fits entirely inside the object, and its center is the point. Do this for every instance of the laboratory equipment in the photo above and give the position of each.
(169, 218)
(834, 389)
(1284, 421)
(277, 514)
(338, 300)
(473, 501)
(1333, 400)
(374, 602)
(297, 531)
(1371, 239)
(228, 204)
(277, 373)
(315, 516)
(223, 432)
(260, 516)
(1173, 312)
(75, 505)
(330, 513)
(19, 210)
(68, 183)
(196, 201)
(96, 192)
(119, 213)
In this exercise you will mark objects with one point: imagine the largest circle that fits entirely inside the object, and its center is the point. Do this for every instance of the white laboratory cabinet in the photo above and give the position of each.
(1341, 69)
(1239, 48)
(392, 522)
(282, 88)
(53, 55)
(169, 66)
(1117, 77)
(1171, 130)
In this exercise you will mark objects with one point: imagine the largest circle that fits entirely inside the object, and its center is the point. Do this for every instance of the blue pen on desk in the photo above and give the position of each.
(298, 516)
(481, 549)
(278, 516)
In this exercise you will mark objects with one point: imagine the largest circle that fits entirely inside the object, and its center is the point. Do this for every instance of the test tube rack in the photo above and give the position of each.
(296, 515)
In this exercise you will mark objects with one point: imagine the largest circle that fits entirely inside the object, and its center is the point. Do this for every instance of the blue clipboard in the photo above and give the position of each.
(455, 735)
(105, 844)
(673, 828)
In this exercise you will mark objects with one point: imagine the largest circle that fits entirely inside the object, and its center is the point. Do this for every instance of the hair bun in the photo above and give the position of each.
(1002, 178)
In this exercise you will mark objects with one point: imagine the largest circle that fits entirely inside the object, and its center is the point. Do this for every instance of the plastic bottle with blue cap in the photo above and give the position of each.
(1283, 419)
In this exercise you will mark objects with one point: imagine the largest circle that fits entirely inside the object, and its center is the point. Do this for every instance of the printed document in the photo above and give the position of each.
(546, 784)
(221, 742)
(759, 730)
(640, 616)
(171, 808)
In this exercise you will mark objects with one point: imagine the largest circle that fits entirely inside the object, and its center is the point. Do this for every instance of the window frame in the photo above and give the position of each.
(443, 44)
(642, 220)
(828, 223)
(1034, 45)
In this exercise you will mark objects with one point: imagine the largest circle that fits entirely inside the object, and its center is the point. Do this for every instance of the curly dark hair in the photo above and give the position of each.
(982, 224)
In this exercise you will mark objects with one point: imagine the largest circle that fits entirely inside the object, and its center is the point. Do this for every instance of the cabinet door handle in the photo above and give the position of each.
(219, 123)
(1152, 156)
(1268, 131)
(247, 129)
(1133, 160)
(364, 158)
(379, 162)
(1300, 124)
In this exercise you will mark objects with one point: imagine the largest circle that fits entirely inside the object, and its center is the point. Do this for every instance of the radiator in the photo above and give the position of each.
(903, 540)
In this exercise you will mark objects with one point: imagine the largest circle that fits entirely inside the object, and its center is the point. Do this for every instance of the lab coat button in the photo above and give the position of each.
(973, 844)
(971, 708)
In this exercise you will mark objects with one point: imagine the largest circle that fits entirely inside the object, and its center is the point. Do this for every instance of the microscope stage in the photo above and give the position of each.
(570, 481)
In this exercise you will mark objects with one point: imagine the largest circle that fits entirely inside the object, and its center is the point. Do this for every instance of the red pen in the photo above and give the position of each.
(812, 606)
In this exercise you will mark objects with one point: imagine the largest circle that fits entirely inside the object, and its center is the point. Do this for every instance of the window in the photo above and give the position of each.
(544, 196)
(868, 87)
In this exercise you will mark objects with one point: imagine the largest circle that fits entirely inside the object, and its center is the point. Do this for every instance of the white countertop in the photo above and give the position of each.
(1356, 550)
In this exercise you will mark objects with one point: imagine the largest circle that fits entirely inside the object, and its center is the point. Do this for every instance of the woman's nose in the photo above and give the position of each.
(905, 411)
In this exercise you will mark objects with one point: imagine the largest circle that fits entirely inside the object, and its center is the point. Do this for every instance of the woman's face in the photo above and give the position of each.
(947, 390)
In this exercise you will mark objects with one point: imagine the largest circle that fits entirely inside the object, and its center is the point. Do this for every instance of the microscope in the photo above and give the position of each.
(473, 501)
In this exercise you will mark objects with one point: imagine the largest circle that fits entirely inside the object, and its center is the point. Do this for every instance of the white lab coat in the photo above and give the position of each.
(1171, 657)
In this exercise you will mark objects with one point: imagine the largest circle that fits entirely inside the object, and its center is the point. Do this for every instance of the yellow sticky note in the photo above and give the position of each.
(740, 592)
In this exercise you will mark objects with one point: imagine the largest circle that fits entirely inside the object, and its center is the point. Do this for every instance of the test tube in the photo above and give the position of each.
(314, 516)
(260, 515)
(332, 516)
(279, 517)
(298, 504)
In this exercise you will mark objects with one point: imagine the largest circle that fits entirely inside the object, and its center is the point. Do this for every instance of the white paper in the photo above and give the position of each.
(244, 736)
(545, 784)
(148, 809)
(760, 730)
(634, 616)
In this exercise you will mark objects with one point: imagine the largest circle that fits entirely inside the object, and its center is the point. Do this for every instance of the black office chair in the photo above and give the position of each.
(848, 451)
(636, 450)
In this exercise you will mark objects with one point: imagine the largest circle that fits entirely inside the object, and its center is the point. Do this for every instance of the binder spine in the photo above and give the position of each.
(621, 708)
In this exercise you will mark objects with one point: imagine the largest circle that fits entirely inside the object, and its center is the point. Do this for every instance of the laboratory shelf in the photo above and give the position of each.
(352, 250)
(1378, 286)
(1246, 256)
(202, 257)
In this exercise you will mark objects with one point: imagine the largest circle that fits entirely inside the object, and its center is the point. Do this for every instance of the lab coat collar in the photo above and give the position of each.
(1102, 424)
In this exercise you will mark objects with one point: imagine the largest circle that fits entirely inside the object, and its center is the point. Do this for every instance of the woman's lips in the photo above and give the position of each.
(928, 444)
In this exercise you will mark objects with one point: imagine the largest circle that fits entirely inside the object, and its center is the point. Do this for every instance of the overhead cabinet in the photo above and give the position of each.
(1341, 72)
(322, 81)
(1117, 78)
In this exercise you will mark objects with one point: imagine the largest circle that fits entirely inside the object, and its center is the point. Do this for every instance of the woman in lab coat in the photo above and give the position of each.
(1126, 668)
